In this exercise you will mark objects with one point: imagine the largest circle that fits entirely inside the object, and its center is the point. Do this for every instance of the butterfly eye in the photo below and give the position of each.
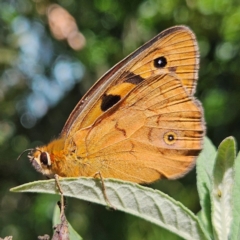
(170, 138)
(160, 62)
(44, 159)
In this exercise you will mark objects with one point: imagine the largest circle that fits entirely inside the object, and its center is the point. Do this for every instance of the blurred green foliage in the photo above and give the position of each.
(36, 95)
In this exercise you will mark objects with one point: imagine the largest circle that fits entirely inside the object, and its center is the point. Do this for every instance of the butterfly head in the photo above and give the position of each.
(41, 161)
(44, 159)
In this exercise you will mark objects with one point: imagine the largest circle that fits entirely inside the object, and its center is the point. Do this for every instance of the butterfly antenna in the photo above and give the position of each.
(27, 150)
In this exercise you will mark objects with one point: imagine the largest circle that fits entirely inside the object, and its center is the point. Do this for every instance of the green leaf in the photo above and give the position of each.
(204, 167)
(221, 195)
(235, 228)
(151, 205)
(56, 220)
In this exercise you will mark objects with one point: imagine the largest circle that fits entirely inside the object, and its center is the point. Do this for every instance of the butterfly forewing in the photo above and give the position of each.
(172, 51)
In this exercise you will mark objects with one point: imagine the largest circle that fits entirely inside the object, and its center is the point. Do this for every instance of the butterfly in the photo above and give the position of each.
(140, 122)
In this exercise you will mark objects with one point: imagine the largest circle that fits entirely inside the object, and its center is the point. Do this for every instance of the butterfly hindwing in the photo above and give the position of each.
(155, 132)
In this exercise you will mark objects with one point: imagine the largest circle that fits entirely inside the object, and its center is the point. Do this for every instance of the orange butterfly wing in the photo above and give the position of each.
(139, 122)
(177, 46)
(156, 131)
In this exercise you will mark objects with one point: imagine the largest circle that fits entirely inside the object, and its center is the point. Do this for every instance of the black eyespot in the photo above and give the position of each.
(160, 62)
(170, 137)
(44, 158)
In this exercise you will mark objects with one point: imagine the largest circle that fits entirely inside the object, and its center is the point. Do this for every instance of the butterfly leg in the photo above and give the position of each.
(62, 204)
(104, 190)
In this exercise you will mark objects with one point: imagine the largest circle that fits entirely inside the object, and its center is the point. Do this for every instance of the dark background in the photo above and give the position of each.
(42, 78)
